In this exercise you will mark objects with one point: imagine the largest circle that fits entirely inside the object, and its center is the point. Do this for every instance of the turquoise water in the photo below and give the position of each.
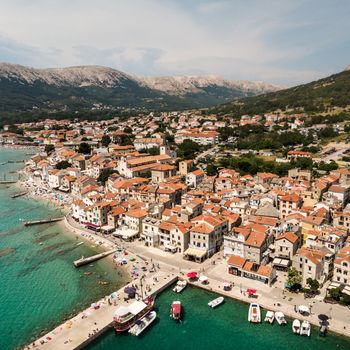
(39, 284)
(225, 327)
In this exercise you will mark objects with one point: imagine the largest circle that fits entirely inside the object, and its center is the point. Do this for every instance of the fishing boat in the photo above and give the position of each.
(270, 317)
(216, 302)
(305, 328)
(180, 286)
(176, 310)
(254, 314)
(279, 315)
(126, 316)
(296, 327)
(143, 323)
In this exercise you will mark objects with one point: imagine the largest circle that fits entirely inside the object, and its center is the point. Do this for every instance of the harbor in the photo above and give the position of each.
(79, 331)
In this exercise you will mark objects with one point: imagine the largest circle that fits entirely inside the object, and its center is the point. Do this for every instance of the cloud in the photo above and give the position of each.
(277, 41)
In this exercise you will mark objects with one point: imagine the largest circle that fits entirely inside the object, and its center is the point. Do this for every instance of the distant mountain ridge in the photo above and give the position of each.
(82, 88)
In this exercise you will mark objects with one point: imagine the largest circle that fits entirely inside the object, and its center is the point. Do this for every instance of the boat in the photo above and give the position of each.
(296, 327)
(180, 286)
(143, 323)
(216, 302)
(305, 328)
(323, 330)
(126, 316)
(175, 311)
(254, 314)
(270, 317)
(279, 315)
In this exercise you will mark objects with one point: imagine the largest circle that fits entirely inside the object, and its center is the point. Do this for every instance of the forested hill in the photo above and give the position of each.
(317, 96)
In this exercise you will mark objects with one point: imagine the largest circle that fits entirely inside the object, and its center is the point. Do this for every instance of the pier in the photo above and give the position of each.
(40, 222)
(90, 259)
(6, 182)
(74, 333)
(19, 194)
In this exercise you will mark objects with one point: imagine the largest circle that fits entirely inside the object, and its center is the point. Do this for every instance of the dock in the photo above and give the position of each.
(19, 194)
(40, 222)
(90, 259)
(80, 330)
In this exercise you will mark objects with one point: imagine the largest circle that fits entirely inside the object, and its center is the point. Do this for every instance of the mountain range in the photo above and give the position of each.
(26, 90)
(324, 95)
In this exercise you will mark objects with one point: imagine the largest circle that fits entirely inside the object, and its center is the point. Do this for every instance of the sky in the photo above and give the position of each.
(285, 42)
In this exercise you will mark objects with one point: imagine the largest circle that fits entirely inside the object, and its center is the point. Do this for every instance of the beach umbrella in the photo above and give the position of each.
(130, 291)
(192, 274)
(323, 317)
(203, 278)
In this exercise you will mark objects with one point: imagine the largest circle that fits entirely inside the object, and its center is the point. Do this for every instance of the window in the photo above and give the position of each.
(309, 268)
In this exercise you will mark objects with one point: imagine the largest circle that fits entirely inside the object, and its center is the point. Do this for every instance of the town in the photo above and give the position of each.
(146, 179)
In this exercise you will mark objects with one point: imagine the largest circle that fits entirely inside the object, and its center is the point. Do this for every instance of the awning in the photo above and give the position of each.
(90, 224)
(280, 262)
(192, 274)
(107, 228)
(303, 309)
(251, 291)
(169, 246)
(203, 278)
(334, 285)
(346, 290)
(195, 252)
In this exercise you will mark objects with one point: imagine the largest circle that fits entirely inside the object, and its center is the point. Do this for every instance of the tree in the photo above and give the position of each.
(188, 149)
(211, 169)
(84, 148)
(335, 294)
(294, 278)
(153, 151)
(105, 141)
(313, 284)
(104, 175)
(64, 164)
(49, 149)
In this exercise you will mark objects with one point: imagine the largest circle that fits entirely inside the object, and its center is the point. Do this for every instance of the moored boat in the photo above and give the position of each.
(143, 323)
(126, 316)
(180, 286)
(270, 317)
(176, 310)
(216, 302)
(279, 315)
(305, 328)
(254, 314)
(296, 327)
(323, 330)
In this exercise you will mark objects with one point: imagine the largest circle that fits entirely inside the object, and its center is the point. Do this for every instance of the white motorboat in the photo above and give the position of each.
(279, 315)
(296, 326)
(254, 314)
(305, 328)
(214, 303)
(143, 323)
(180, 286)
(270, 317)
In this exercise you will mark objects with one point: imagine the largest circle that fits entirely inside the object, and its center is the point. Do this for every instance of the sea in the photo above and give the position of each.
(39, 285)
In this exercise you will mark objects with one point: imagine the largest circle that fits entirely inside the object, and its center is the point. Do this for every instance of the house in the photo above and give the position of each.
(313, 263)
(288, 204)
(150, 231)
(147, 143)
(242, 267)
(292, 155)
(341, 193)
(161, 172)
(195, 178)
(342, 266)
(185, 167)
(286, 246)
(255, 247)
